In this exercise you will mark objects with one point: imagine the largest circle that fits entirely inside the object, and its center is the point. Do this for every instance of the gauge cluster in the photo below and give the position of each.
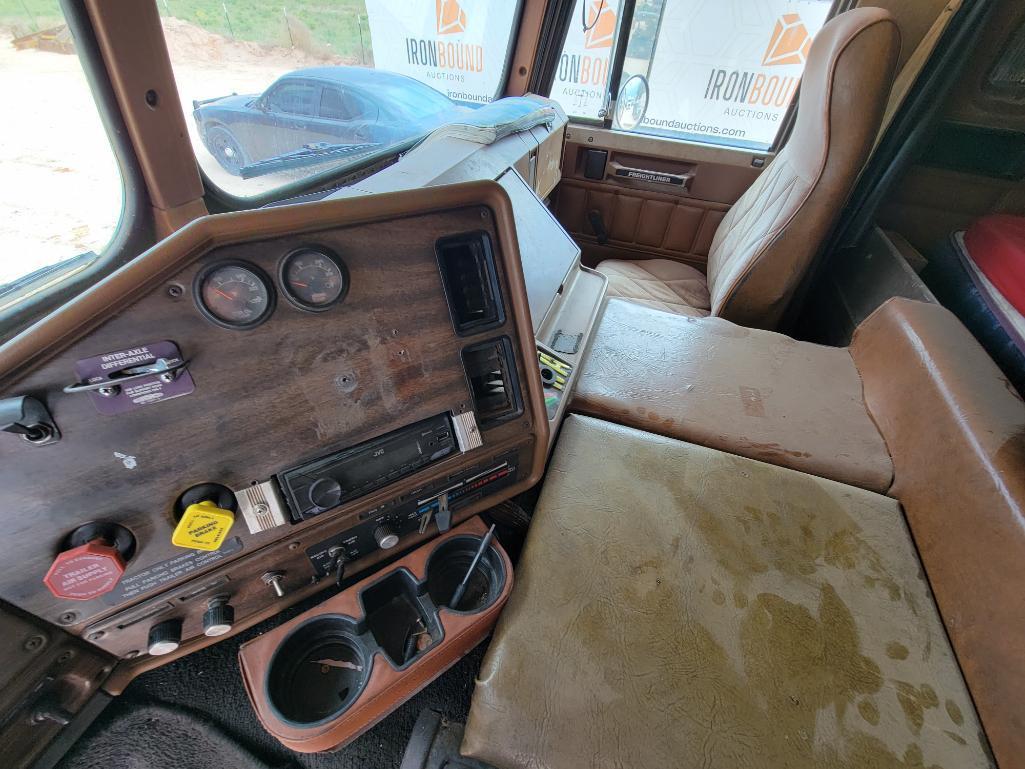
(238, 295)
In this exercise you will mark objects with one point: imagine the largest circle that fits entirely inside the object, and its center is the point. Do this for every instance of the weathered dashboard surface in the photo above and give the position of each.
(298, 385)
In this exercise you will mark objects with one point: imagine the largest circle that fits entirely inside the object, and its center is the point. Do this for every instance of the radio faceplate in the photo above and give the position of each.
(415, 512)
(342, 476)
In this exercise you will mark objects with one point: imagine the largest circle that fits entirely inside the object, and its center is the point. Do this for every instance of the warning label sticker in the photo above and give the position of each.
(160, 574)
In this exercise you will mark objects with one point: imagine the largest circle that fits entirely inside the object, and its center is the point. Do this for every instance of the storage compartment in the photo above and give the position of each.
(447, 567)
(325, 677)
(397, 618)
(318, 672)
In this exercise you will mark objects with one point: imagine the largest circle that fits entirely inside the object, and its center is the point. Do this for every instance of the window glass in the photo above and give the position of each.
(582, 76)
(378, 73)
(716, 71)
(61, 195)
(293, 98)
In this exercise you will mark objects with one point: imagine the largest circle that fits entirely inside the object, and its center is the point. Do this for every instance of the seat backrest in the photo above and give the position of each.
(768, 239)
(955, 429)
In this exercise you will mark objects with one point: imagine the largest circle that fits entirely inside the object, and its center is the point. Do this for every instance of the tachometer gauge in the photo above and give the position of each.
(234, 294)
(314, 279)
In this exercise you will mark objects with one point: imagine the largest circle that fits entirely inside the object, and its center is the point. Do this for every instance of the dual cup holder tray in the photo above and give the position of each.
(328, 675)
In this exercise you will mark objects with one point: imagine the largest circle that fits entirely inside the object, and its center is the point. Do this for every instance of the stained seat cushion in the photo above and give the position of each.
(659, 283)
(755, 393)
(676, 606)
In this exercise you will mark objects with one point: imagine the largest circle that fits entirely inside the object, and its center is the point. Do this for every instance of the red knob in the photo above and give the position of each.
(85, 572)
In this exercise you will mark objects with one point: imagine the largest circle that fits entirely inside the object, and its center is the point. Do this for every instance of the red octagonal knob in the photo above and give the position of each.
(85, 572)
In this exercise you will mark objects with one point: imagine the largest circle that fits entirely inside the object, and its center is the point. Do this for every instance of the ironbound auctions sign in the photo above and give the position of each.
(726, 71)
(583, 72)
(458, 47)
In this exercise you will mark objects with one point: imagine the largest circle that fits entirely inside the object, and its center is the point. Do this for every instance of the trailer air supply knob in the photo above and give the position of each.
(165, 637)
(91, 561)
(385, 537)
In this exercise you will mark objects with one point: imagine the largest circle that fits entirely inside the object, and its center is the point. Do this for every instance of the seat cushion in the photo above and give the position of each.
(956, 430)
(755, 393)
(659, 283)
(676, 606)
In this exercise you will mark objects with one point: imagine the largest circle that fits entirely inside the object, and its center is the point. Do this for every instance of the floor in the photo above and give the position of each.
(194, 712)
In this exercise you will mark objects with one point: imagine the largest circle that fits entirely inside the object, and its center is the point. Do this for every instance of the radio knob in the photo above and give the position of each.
(325, 493)
(165, 637)
(385, 537)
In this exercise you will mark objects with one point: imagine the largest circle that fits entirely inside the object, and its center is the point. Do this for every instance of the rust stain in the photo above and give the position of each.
(896, 651)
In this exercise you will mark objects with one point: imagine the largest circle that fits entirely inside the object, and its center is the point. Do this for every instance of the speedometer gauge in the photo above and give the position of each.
(313, 278)
(234, 294)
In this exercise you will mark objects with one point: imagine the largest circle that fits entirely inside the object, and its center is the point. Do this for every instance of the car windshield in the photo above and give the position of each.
(274, 94)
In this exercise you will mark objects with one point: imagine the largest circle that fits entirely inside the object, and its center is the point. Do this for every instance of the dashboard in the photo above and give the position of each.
(260, 404)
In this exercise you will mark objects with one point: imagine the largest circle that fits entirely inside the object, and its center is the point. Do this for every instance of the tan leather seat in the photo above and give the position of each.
(661, 284)
(677, 607)
(750, 392)
(955, 428)
(767, 241)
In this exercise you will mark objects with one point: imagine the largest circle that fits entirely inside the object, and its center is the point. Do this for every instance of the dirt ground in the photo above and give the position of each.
(60, 189)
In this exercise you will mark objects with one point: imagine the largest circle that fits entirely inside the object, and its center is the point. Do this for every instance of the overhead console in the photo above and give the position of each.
(261, 404)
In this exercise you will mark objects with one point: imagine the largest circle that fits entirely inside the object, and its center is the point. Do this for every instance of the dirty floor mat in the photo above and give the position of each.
(193, 713)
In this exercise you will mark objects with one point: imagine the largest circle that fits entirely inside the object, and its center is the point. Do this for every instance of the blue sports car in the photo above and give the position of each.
(319, 106)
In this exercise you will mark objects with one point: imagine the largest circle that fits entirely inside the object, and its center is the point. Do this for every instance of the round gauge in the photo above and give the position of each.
(234, 294)
(314, 279)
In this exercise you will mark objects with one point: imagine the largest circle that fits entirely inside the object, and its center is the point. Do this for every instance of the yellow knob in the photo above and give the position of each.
(203, 526)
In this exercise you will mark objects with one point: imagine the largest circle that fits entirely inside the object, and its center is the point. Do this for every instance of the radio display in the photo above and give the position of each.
(346, 475)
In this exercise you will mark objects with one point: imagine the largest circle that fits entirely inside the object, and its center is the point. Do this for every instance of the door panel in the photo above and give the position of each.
(614, 210)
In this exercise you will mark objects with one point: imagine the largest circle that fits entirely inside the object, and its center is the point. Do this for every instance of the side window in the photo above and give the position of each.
(61, 193)
(716, 72)
(293, 98)
(582, 76)
(340, 104)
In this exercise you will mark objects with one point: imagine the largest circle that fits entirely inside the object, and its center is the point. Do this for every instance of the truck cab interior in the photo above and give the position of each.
(536, 385)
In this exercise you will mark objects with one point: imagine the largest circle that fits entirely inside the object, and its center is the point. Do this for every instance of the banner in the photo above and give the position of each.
(725, 72)
(458, 47)
(583, 72)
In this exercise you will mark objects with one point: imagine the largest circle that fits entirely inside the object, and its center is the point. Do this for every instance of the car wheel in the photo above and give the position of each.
(226, 149)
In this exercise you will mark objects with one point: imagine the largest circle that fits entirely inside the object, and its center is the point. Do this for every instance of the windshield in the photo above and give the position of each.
(273, 94)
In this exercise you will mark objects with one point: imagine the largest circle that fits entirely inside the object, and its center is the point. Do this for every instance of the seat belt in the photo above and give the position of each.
(915, 64)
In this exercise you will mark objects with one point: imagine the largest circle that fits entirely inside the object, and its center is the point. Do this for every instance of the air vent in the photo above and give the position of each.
(467, 267)
(492, 377)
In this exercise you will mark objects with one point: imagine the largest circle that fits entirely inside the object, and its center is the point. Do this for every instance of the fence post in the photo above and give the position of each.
(227, 19)
(362, 48)
(284, 12)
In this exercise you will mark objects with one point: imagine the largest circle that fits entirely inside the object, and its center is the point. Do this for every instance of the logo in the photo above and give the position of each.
(601, 25)
(790, 42)
(450, 16)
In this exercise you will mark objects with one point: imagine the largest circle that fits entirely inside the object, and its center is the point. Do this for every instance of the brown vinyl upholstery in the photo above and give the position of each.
(767, 241)
(755, 393)
(956, 431)
(661, 284)
(678, 607)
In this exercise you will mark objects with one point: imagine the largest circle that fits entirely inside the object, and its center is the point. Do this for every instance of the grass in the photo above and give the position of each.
(319, 27)
(327, 26)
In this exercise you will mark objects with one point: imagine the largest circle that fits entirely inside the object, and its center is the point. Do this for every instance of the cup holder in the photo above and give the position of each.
(318, 672)
(448, 565)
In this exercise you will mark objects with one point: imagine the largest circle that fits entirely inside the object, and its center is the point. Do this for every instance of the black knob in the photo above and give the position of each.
(325, 492)
(218, 618)
(165, 637)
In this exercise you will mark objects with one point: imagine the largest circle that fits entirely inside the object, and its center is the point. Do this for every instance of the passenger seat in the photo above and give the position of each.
(767, 241)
